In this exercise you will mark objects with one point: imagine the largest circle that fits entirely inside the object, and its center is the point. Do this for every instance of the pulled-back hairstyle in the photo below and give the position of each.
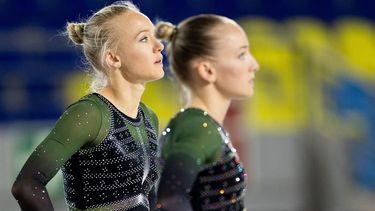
(97, 36)
(191, 39)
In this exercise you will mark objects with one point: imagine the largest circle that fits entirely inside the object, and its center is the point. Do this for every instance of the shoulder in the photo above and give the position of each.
(193, 127)
(90, 106)
(150, 114)
(193, 122)
(147, 110)
(91, 114)
(191, 132)
(90, 102)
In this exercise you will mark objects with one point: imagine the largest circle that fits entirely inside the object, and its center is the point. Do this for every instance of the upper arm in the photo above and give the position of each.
(77, 127)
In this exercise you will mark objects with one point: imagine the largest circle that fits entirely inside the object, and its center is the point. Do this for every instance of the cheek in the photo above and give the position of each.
(137, 59)
(139, 56)
(232, 71)
(234, 79)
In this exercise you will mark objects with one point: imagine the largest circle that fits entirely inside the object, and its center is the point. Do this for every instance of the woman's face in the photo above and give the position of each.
(138, 49)
(234, 64)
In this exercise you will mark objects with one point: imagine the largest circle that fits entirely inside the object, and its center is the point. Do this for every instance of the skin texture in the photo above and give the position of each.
(226, 75)
(235, 66)
(136, 61)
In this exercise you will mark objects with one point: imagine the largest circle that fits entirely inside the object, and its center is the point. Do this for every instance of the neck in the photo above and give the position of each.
(124, 95)
(209, 99)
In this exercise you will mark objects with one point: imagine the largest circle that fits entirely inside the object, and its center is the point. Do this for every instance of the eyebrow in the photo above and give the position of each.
(144, 30)
(244, 47)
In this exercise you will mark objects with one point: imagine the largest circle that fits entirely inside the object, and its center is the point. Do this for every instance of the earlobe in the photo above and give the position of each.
(113, 61)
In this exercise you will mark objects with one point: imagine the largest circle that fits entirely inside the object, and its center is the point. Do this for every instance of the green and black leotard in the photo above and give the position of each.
(200, 168)
(107, 159)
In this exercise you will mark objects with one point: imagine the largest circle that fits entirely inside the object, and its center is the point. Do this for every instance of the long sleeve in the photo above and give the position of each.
(188, 143)
(77, 127)
(178, 176)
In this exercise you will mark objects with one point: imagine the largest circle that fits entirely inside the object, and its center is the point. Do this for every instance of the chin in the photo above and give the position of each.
(243, 96)
(158, 75)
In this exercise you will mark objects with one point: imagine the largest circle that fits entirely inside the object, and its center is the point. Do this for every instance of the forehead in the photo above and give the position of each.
(131, 23)
(229, 35)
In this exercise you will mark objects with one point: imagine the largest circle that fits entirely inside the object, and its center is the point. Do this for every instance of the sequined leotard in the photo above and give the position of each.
(106, 157)
(201, 169)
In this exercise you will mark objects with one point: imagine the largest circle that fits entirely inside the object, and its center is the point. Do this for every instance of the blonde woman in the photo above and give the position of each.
(105, 143)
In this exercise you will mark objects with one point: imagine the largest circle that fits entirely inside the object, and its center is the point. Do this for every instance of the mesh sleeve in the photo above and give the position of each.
(77, 127)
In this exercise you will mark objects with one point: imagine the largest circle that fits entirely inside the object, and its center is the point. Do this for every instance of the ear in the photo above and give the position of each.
(206, 71)
(112, 60)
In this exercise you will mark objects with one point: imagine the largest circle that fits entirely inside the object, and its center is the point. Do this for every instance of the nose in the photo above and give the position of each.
(159, 45)
(254, 67)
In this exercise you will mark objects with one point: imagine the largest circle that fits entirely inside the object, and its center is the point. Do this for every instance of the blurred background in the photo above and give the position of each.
(307, 136)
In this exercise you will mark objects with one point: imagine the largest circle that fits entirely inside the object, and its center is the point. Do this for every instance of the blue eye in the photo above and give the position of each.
(242, 55)
(144, 39)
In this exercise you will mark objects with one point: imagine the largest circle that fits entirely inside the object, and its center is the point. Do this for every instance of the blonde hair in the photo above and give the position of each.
(97, 36)
(165, 31)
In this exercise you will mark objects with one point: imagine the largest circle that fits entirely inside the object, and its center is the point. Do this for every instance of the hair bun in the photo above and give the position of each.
(165, 31)
(75, 32)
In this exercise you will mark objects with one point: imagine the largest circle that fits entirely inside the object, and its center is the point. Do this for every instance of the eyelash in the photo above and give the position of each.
(144, 39)
(242, 55)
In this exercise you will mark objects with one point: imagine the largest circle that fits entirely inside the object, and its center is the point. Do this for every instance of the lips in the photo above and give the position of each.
(159, 61)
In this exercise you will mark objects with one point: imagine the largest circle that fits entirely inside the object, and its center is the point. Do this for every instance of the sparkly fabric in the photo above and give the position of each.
(220, 186)
(107, 159)
(199, 165)
(117, 174)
